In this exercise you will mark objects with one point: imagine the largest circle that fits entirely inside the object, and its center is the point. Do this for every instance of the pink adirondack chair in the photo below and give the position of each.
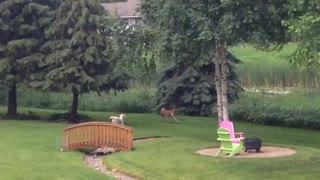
(229, 125)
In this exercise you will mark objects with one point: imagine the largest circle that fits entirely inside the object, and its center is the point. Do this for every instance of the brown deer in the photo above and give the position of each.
(168, 113)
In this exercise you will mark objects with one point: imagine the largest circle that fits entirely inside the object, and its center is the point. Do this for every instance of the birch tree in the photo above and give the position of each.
(214, 26)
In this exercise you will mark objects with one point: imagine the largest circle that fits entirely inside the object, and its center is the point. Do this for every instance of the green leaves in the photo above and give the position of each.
(186, 34)
(77, 51)
(305, 26)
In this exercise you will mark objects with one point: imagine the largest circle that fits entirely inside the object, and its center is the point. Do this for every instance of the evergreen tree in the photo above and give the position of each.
(22, 26)
(191, 89)
(78, 53)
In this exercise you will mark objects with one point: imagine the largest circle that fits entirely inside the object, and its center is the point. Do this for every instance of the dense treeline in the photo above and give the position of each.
(74, 46)
(59, 46)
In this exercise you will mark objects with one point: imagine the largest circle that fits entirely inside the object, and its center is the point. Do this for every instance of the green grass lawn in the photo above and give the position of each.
(29, 151)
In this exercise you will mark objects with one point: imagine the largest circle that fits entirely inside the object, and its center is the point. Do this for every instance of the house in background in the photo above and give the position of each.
(127, 11)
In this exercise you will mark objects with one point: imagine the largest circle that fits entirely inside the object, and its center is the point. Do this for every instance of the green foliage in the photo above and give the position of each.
(305, 28)
(272, 69)
(63, 117)
(191, 89)
(185, 36)
(207, 21)
(78, 57)
(297, 110)
(131, 49)
(131, 101)
(22, 25)
(22, 116)
(3, 96)
(187, 32)
(78, 53)
(257, 22)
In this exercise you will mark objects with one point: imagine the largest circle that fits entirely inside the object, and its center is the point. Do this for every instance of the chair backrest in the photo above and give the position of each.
(226, 124)
(224, 138)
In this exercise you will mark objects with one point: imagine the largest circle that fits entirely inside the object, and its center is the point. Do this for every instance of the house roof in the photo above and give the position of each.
(123, 9)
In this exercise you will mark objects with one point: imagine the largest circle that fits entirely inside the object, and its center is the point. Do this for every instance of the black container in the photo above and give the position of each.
(252, 143)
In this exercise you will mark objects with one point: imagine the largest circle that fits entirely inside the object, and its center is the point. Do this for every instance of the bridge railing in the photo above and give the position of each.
(98, 134)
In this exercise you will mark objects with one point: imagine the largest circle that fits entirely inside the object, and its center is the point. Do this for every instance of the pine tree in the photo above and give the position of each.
(190, 88)
(78, 59)
(22, 26)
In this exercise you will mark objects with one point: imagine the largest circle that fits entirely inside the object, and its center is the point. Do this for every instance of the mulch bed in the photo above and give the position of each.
(266, 152)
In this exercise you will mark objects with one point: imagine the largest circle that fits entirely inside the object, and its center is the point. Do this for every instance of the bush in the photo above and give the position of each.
(63, 117)
(21, 116)
(131, 101)
(271, 110)
(3, 96)
(272, 69)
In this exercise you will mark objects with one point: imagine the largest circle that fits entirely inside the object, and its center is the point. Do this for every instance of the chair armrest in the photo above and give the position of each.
(240, 134)
(241, 141)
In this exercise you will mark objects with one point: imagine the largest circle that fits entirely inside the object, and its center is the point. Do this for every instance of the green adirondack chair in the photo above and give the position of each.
(227, 147)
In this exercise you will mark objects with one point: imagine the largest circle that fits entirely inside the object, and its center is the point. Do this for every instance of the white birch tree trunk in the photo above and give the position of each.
(224, 82)
(218, 84)
(221, 81)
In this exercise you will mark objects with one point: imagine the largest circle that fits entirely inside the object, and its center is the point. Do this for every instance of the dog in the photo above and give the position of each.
(118, 120)
(168, 113)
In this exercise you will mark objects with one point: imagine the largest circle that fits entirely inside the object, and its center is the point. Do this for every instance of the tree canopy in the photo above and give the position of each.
(188, 31)
(235, 21)
(305, 25)
(131, 48)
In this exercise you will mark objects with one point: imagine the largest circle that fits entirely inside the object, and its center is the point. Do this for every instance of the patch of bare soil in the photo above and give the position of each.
(97, 163)
(94, 159)
(149, 138)
(266, 152)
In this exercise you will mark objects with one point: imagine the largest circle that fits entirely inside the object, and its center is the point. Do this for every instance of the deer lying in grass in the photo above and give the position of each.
(118, 120)
(169, 113)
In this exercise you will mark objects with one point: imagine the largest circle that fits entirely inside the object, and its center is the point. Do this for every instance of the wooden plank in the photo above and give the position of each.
(98, 134)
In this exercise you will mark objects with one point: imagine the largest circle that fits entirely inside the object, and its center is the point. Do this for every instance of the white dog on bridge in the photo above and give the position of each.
(118, 120)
